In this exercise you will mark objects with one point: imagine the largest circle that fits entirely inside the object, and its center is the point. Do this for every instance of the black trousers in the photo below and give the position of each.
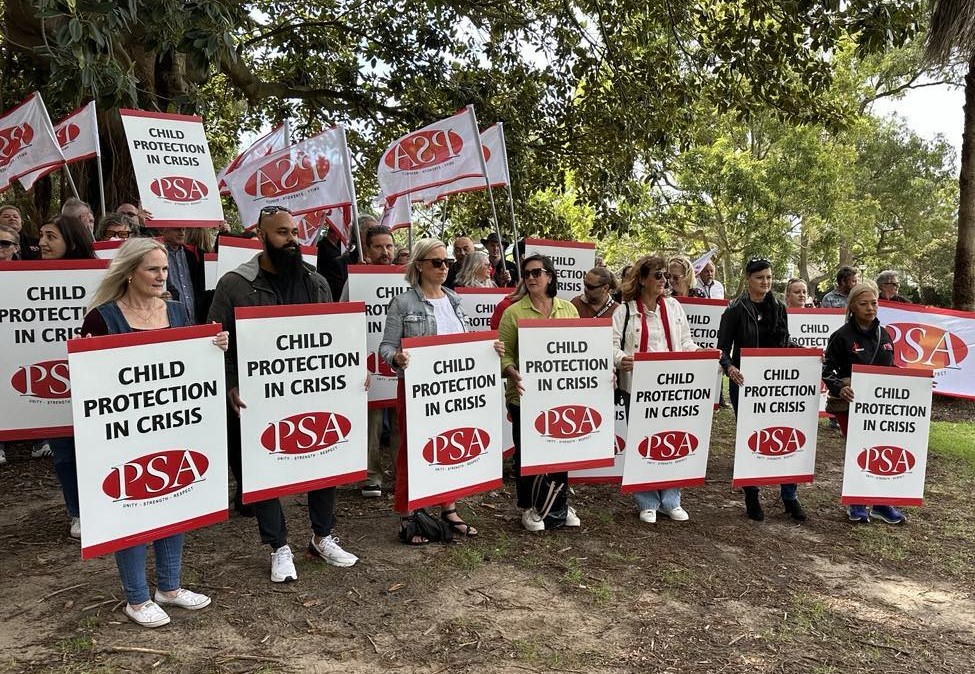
(523, 485)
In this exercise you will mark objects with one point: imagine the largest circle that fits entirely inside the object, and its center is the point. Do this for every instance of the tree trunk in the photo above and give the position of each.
(963, 292)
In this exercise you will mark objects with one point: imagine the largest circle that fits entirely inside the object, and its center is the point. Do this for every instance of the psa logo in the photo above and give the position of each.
(668, 446)
(310, 224)
(155, 475)
(285, 175)
(179, 189)
(47, 379)
(926, 346)
(13, 139)
(305, 433)
(568, 422)
(459, 445)
(620, 445)
(67, 134)
(885, 460)
(379, 366)
(776, 441)
(424, 149)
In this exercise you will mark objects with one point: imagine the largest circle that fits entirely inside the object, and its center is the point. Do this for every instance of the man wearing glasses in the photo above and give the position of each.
(186, 283)
(596, 300)
(275, 276)
(113, 226)
(889, 284)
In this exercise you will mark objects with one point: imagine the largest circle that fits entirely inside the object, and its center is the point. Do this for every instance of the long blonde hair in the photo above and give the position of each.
(127, 260)
(421, 249)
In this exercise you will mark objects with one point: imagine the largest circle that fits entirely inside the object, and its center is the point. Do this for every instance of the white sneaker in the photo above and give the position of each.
(678, 514)
(571, 519)
(283, 565)
(531, 521)
(649, 516)
(42, 450)
(75, 527)
(150, 615)
(329, 550)
(3, 456)
(184, 599)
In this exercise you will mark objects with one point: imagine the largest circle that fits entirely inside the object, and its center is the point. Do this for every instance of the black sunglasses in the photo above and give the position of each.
(536, 272)
(270, 210)
(438, 262)
(7, 244)
(645, 271)
(589, 287)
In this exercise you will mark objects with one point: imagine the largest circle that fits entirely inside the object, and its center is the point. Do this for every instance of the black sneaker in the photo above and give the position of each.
(753, 507)
(372, 491)
(794, 508)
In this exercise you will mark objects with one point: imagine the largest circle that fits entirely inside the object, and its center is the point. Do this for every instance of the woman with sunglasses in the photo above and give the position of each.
(755, 319)
(681, 278)
(539, 301)
(427, 308)
(649, 321)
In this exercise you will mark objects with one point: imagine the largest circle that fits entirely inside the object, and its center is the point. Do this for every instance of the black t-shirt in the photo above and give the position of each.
(763, 311)
(289, 289)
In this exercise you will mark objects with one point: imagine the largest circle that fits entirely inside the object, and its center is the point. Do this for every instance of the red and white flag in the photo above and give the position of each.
(27, 141)
(397, 213)
(309, 176)
(435, 155)
(495, 159)
(77, 135)
(271, 142)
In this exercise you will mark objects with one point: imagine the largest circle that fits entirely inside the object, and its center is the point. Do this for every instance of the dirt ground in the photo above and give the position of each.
(716, 594)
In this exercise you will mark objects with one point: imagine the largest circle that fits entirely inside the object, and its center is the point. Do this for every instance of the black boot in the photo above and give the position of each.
(753, 507)
(794, 508)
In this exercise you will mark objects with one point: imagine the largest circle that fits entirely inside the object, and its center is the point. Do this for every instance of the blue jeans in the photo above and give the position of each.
(789, 489)
(66, 469)
(663, 499)
(132, 568)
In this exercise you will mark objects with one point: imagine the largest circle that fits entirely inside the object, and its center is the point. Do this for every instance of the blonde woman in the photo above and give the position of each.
(682, 280)
(475, 271)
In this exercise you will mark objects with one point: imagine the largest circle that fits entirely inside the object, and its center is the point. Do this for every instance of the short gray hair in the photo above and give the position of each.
(887, 276)
(421, 249)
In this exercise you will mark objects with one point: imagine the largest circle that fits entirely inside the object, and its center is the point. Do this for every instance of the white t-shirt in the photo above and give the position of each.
(447, 321)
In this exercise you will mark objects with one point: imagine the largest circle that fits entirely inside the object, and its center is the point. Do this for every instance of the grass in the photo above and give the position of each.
(880, 541)
(76, 645)
(955, 441)
(466, 557)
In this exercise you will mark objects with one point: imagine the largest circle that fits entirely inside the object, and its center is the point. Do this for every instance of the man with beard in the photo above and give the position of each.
(273, 277)
(463, 246)
(596, 300)
(505, 271)
(186, 283)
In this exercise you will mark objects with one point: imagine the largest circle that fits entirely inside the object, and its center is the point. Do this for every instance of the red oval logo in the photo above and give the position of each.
(424, 149)
(459, 445)
(179, 189)
(379, 366)
(285, 175)
(155, 475)
(67, 134)
(668, 446)
(13, 139)
(305, 433)
(885, 460)
(926, 346)
(568, 422)
(777, 441)
(47, 379)
(620, 445)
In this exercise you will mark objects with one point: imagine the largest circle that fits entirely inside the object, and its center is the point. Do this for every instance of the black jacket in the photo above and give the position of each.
(739, 328)
(849, 346)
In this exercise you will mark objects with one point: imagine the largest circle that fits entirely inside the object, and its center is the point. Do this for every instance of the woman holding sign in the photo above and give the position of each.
(650, 321)
(129, 299)
(860, 341)
(427, 308)
(755, 319)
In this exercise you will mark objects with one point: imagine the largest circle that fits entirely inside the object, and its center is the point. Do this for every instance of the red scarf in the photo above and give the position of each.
(645, 335)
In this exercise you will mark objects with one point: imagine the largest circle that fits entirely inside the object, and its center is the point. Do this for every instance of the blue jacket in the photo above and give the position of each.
(410, 314)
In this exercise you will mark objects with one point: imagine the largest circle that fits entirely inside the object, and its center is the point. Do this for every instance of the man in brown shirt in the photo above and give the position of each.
(596, 299)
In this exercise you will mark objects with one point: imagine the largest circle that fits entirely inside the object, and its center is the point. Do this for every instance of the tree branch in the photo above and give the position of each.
(909, 85)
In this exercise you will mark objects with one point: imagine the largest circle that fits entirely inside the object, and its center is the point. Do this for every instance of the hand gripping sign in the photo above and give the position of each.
(454, 399)
(150, 416)
(42, 306)
(572, 259)
(567, 410)
(778, 416)
(887, 436)
(669, 430)
(377, 285)
(811, 329)
(302, 376)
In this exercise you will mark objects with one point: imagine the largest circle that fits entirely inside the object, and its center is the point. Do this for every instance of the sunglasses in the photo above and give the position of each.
(438, 262)
(589, 287)
(658, 275)
(270, 210)
(7, 244)
(535, 273)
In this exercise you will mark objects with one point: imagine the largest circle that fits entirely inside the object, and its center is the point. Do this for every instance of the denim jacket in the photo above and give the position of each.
(410, 314)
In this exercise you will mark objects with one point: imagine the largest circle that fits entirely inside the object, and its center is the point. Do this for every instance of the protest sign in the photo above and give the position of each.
(107, 250)
(210, 271)
(454, 399)
(302, 375)
(567, 409)
(612, 473)
(669, 432)
(778, 416)
(150, 419)
(42, 306)
(940, 340)
(703, 318)
(377, 285)
(572, 259)
(173, 169)
(887, 436)
(234, 251)
(811, 329)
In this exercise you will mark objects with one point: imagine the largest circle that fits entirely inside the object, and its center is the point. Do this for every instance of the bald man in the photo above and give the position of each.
(463, 246)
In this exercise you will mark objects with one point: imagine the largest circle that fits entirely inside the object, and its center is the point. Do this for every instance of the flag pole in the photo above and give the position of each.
(487, 178)
(511, 202)
(74, 190)
(355, 205)
(409, 240)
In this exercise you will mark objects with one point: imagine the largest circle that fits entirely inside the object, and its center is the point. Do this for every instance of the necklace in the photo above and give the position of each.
(145, 318)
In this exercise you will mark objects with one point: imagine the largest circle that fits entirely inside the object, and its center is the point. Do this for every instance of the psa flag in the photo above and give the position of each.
(262, 147)
(77, 134)
(27, 141)
(495, 159)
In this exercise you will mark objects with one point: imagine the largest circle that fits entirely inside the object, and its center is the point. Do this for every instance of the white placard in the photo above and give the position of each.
(572, 259)
(703, 318)
(454, 402)
(887, 436)
(302, 371)
(107, 250)
(210, 271)
(234, 251)
(567, 410)
(811, 329)
(778, 416)
(669, 434)
(173, 169)
(150, 417)
(612, 473)
(42, 306)
(377, 285)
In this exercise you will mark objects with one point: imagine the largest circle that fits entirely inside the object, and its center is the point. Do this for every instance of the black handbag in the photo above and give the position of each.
(551, 500)
(420, 523)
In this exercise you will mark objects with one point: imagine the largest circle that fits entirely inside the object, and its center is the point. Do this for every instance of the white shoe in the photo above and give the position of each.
(571, 519)
(649, 516)
(3, 456)
(184, 599)
(283, 565)
(42, 450)
(329, 550)
(531, 521)
(678, 514)
(75, 527)
(150, 615)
